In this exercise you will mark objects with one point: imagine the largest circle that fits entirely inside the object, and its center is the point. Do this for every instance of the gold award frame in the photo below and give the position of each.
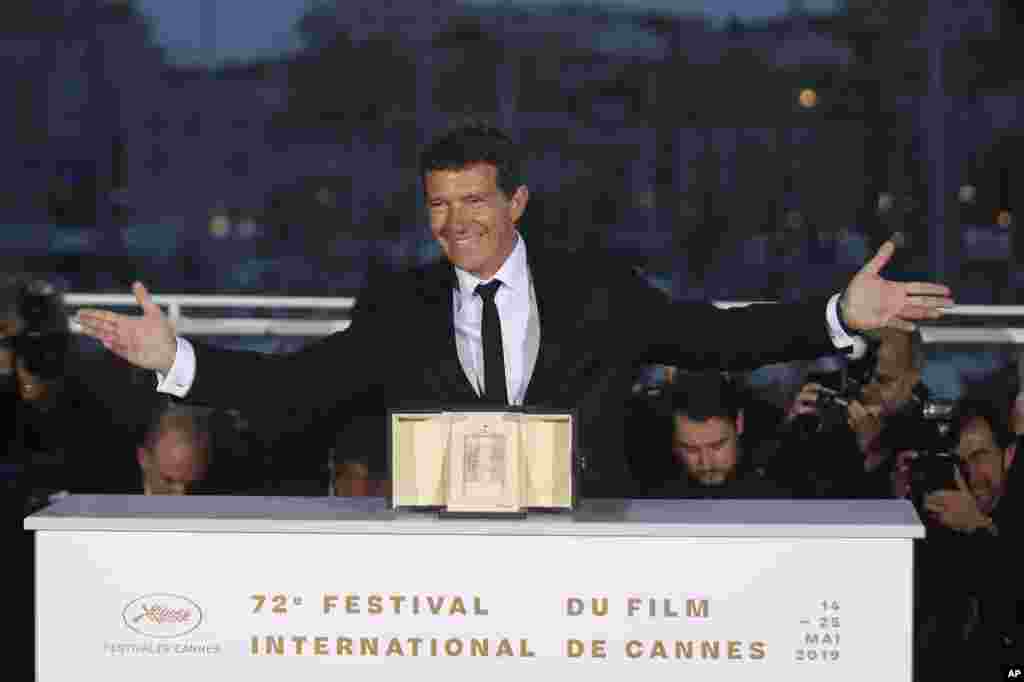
(482, 462)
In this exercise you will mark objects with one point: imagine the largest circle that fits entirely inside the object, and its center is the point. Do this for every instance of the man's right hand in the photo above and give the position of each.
(147, 341)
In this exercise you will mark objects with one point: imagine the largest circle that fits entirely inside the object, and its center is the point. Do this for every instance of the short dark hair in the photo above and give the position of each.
(995, 415)
(699, 396)
(170, 416)
(475, 141)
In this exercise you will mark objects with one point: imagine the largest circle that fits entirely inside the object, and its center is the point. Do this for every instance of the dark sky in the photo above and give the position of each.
(248, 28)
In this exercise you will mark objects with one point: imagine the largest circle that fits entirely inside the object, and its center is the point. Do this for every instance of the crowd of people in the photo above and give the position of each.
(881, 437)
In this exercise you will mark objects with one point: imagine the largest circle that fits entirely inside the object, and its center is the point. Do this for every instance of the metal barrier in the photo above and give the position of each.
(174, 304)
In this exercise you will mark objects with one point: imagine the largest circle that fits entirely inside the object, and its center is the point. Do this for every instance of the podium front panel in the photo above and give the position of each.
(397, 597)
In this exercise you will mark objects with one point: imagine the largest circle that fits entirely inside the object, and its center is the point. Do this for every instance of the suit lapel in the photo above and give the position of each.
(558, 305)
(450, 381)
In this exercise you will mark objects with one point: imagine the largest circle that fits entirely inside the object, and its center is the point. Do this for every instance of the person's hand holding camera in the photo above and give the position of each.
(806, 402)
(957, 509)
(866, 423)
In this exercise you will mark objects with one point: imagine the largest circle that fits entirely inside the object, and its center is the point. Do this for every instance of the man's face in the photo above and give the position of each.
(983, 463)
(471, 218)
(893, 383)
(174, 466)
(708, 449)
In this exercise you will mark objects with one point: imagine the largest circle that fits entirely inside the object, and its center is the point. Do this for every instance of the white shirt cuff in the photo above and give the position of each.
(840, 339)
(183, 372)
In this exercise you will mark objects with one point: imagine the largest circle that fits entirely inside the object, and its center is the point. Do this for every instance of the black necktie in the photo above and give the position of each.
(494, 358)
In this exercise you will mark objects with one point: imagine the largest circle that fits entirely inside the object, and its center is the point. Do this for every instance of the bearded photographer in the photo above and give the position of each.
(842, 431)
(971, 598)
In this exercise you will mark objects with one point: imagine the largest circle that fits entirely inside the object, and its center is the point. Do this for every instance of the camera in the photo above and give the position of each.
(926, 428)
(834, 397)
(42, 340)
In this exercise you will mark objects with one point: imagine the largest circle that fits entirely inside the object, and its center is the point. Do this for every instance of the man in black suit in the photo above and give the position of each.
(499, 323)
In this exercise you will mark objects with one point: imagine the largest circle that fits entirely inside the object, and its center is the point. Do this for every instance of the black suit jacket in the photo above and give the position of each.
(599, 323)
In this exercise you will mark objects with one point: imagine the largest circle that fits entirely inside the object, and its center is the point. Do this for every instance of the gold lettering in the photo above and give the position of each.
(684, 649)
(394, 647)
(505, 648)
(298, 641)
(368, 646)
(275, 645)
(433, 647)
(374, 605)
(709, 649)
(757, 650)
(658, 650)
(351, 603)
(435, 605)
(320, 646)
(634, 649)
(344, 646)
(453, 647)
(697, 609)
(573, 648)
(397, 600)
(457, 607)
(598, 648)
(524, 649)
(255, 649)
(478, 609)
(734, 650)
(600, 606)
(478, 647)
(414, 642)
(330, 602)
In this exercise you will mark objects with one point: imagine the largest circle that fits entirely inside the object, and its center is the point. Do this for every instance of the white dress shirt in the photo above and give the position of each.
(520, 330)
(520, 323)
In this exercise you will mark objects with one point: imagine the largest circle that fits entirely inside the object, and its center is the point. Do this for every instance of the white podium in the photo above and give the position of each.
(208, 588)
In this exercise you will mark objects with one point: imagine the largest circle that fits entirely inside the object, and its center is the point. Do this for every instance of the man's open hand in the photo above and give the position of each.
(147, 341)
(871, 302)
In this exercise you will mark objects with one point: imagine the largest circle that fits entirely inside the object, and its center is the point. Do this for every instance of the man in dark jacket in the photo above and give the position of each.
(707, 423)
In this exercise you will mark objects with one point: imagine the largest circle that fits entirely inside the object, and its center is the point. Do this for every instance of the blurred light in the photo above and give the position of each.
(967, 193)
(808, 98)
(885, 202)
(247, 228)
(1004, 218)
(220, 226)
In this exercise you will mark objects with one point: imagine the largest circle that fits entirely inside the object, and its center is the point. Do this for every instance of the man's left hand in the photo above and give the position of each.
(871, 302)
(956, 509)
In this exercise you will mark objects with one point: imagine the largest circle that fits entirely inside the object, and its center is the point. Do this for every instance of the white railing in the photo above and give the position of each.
(229, 326)
(269, 326)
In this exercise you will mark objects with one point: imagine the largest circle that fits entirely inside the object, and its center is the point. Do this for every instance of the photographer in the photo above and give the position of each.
(971, 595)
(59, 433)
(841, 433)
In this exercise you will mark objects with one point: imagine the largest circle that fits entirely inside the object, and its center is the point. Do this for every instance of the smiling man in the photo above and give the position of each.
(500, 324)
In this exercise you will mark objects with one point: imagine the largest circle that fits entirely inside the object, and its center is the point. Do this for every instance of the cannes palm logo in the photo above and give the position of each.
(163, 616)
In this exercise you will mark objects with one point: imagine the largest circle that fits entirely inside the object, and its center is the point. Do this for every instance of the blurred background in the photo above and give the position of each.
(735, 150)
